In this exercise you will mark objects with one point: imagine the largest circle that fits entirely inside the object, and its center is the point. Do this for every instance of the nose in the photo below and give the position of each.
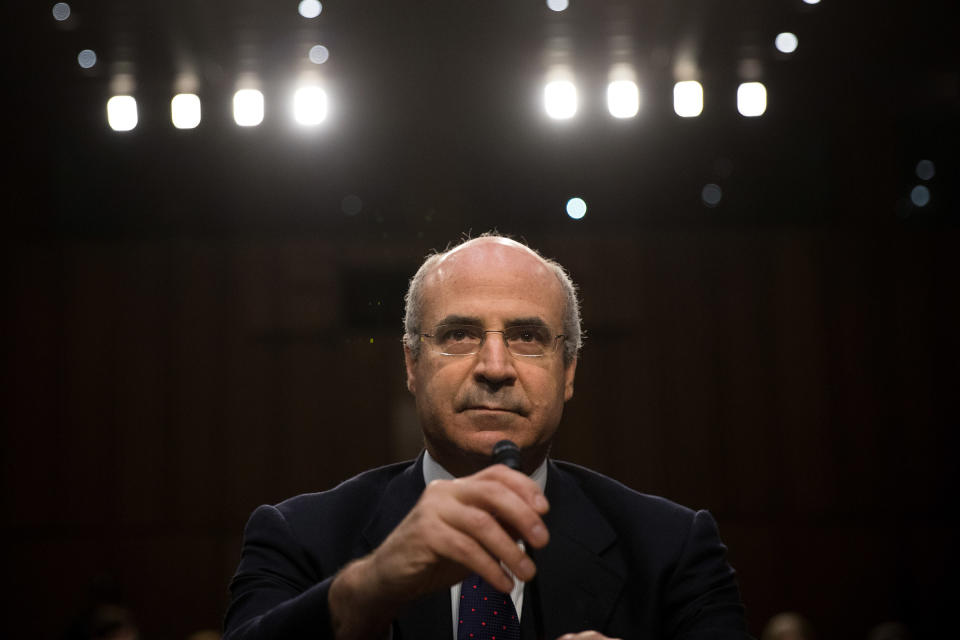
(494, 365)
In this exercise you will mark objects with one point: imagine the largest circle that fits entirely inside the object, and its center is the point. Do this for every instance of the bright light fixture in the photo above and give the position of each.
(248, 107)
(309, 8)
(122, 113)
(185, 110)
(786, 42)
(576, 208)
(623, 98)
(558, 5)
(309, 105)
(688, 99)
(560, 99)
(751, 99)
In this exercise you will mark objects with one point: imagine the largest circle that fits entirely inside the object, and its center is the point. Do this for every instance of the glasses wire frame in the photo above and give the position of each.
(434, 340)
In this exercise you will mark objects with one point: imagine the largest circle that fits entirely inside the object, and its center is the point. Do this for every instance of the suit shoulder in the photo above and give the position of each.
(614, 496)
(356, 493)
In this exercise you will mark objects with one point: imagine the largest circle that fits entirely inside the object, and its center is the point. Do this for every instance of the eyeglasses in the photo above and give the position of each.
(528, 341)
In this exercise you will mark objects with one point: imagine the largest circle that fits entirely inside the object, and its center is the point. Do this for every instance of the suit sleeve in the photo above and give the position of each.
(701, 597)
(277, 592)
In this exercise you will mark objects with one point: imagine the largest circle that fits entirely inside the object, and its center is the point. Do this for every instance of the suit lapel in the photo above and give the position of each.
(578, 585)
(577, 582)
(430, 616)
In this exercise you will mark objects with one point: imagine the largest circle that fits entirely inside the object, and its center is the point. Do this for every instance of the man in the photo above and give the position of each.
(420, 550)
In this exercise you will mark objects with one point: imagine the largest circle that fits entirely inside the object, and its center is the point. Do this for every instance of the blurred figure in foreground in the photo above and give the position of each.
(788, 626)
(104, 622)
(890, 631)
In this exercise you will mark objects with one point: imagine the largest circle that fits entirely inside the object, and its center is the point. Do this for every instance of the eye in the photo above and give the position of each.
(455, 333)
(527, 335)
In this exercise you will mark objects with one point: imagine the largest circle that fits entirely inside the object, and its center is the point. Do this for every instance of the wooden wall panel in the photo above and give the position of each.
(795, 382)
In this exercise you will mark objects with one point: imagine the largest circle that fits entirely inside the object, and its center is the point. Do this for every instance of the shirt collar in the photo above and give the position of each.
(433, 471)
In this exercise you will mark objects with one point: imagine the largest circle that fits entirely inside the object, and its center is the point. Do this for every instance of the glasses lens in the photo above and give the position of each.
(530, 340)
(458, 339)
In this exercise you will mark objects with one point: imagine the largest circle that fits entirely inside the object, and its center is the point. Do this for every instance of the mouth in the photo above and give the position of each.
(493, 409)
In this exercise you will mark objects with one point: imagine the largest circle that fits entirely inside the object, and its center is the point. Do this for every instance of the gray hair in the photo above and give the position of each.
(413, 301)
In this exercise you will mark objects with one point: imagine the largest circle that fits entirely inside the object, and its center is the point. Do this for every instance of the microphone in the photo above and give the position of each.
(508, 453)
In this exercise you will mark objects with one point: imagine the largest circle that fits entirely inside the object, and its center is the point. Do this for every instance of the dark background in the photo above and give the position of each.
(194, 326)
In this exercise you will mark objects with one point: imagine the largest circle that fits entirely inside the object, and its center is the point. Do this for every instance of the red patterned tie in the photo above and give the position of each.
(485, 613)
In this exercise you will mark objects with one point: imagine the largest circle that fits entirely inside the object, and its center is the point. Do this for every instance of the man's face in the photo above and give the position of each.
(466, 404)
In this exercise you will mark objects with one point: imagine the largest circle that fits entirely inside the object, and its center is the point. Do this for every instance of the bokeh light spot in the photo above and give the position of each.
(351, 204)
(711, 194)
(926, 169)
(87, 58)
(786, 42)
(309, 8)
(318, 54)
(61, 11)
(920, 195)
(576, 208)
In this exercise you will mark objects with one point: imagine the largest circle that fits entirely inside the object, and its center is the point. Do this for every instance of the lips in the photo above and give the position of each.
(516, 409)
(476, 400)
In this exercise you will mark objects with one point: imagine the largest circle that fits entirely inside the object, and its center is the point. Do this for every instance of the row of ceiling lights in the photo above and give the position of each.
(310, 104)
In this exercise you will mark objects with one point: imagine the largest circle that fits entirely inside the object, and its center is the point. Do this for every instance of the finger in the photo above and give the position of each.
(456, 546)
(509, 508)
(486, 530)
(521, 484)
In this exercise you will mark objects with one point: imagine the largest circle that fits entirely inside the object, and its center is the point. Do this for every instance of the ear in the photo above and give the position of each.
(411, 363)
(567, 380)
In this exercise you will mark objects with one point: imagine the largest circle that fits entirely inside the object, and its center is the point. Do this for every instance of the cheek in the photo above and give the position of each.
(438, 385)
(547, 391)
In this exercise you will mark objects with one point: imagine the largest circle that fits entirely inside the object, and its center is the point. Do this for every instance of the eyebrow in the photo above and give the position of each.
(476, 322)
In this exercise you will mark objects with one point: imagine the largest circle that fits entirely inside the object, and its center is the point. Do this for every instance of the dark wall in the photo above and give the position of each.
(798, 383)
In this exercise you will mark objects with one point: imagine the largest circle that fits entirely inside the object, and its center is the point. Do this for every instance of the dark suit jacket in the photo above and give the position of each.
(620, 562)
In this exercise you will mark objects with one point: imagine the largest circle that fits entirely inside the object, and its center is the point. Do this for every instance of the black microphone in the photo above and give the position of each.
(508, 453)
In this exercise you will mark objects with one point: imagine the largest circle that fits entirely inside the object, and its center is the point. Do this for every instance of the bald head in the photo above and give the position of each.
(484, 253)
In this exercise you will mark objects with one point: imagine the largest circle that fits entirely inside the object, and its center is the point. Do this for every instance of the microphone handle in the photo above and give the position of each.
(507, 453)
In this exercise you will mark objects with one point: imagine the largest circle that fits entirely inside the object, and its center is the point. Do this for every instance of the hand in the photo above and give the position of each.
(585, 635)
(458, 527)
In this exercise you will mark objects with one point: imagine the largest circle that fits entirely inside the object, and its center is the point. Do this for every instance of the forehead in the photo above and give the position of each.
(495, 281)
